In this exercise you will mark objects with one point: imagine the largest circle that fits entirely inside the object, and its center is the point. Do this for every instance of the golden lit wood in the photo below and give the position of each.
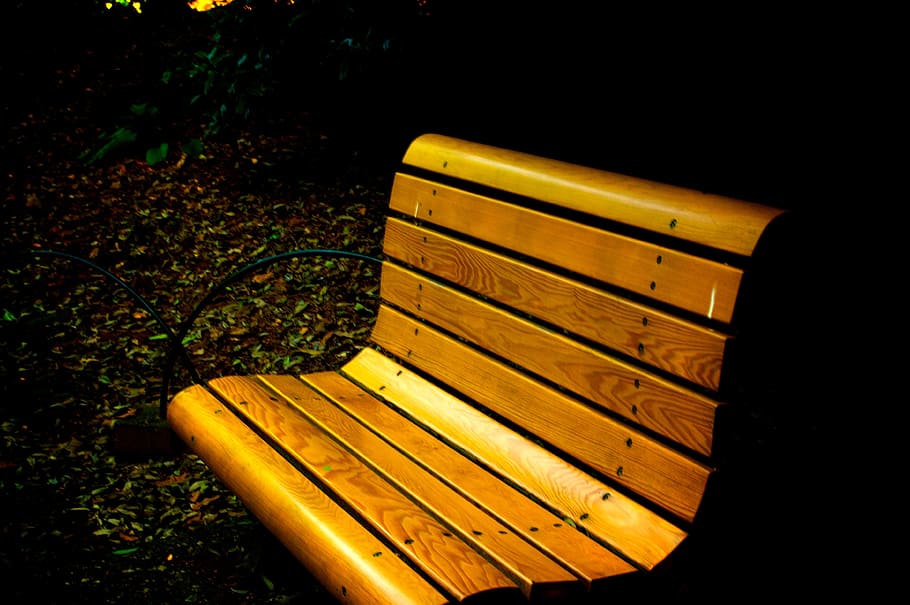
(655, 337)
(713, 220)
(690, 282)
(655, 403)
(590, 504)
(550, 533)
(429, 544)
(332, 545)
(632, 459)
(529, 568)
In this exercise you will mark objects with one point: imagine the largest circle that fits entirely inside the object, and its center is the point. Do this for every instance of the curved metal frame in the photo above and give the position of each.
(175, 339)
(136, 296)
(220, 287)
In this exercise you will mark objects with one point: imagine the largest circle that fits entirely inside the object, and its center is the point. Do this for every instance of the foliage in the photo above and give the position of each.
(136, 5)
(225, 80)
(258, 52)
(248, 59)
(143, 119)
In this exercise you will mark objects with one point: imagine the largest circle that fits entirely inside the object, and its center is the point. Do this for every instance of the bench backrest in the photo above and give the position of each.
(590, 312)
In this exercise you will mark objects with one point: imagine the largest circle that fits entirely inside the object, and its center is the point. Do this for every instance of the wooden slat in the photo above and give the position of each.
(689, 282)
(655, 403)
(583, 556)
(593, 506)
(530, 568)
(657, 472)
(457, 568)
(335, 548)
(717, 221)
(660, 339)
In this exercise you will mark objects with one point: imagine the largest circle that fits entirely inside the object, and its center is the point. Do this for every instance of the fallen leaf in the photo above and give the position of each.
(173, 480)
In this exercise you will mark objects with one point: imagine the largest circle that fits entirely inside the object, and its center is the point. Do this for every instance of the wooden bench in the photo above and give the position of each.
(538, 414)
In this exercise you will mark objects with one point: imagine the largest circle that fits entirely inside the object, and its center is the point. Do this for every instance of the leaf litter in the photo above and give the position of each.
(84, 524)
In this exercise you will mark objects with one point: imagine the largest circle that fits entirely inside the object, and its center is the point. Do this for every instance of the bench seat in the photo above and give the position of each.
(536, 414)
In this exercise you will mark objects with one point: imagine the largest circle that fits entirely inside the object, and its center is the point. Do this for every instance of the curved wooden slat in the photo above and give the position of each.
(712, 220)
(328, 541)
(689, 282)
(661, 474)
(652, 402)
(450, 562)
(660, 339)
(550, 533)
(593, 506)
(528, 567)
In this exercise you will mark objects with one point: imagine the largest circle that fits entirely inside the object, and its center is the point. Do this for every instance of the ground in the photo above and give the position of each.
(90, 514)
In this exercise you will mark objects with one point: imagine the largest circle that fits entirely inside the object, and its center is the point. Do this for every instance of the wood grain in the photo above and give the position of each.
(713, 220)
(640, 463)
(653, 402)
(515, 511)
(689, 282)
(591, 504)
(654, 337)
(333, 546)
(530, 568)
(430, 545)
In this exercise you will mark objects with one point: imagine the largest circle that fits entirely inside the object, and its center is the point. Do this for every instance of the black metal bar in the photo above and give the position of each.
(175, 344)
(175, 339)
(220, 287)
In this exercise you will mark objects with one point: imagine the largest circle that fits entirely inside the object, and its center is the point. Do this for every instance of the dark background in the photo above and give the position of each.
(785, 105)
(765, 102)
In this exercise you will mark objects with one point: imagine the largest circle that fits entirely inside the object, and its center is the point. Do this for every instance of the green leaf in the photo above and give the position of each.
(156, 154)
(194, 148)
(126, 551)
(8, 316)
(139, 108)
(158, 337)
(198, 486)
(119, 138)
